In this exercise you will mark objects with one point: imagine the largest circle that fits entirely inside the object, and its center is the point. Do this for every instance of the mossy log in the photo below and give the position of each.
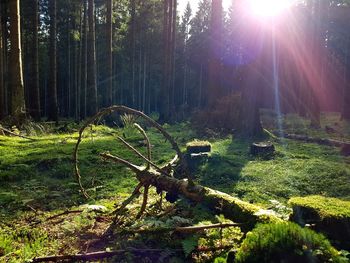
(321, 141)
(161, 178)
(222, 203)
(330, 216)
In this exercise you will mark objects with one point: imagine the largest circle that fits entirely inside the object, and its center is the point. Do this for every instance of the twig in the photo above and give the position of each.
(117, 159)
(143, 132)
(149, 162)
(99, 255)
(144, 201)
(187, 229)
(14, 134)
(135, 194)
(64, 213)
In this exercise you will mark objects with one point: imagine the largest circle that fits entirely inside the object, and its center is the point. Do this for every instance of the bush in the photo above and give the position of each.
(286, 242)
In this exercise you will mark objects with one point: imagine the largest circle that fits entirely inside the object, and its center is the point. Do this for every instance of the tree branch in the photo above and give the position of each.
(143, 157)
(99, 255)
(143, 132)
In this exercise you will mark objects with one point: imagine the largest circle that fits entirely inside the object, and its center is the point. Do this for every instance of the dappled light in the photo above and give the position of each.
(175, 131)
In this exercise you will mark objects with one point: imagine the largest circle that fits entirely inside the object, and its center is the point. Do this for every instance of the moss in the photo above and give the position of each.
(330, 216)
(238, 210)
(286, 242)
(196, 143)
(326, 207)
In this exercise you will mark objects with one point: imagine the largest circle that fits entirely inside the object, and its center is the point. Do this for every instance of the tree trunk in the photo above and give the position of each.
(52, 88)
(34, 91)
(91, 92)
(109, 61)
(346, 99)
(15, 63)
(214, 67)
(2, 83)
(84, 63)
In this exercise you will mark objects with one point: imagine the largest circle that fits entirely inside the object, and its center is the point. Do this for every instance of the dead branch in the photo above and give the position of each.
(100, 255)
(187, 229)
(135, 194)
(148, 143)
(15, 134)
(149, 162)
(116, 159)
(144, 201)
(122, 109)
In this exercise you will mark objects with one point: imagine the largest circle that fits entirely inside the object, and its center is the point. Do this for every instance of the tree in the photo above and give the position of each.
(2, 83)
(91, 91)
(17, 106)
(169, 27)
(52, 89)
(109, 61)
(83, 62)
(215, 53)
(34, 93)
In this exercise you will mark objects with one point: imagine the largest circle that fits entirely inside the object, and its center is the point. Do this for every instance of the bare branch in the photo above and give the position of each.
(144, 202)
(143, 132)
(187, 229)
(122, 109)
(117, 159)
(15, 134)
(99, 255)
(143, 157)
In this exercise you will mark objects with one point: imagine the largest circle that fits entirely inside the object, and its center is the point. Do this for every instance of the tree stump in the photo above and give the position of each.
(345, 150)
(262, 149)
(197, 153)
(198, 147)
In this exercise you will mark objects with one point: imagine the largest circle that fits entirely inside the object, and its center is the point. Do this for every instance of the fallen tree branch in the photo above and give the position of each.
(186, 229)
(101, 255)
(144, 201)
(117, 159)
(15, 134)
(148, 143)
(321, 141)
(149, 162)
(122, 109)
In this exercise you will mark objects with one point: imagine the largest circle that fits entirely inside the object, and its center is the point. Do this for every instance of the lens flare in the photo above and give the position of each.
(268, 8)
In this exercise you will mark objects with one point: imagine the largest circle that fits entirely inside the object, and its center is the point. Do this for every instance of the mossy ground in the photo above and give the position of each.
(37, 178)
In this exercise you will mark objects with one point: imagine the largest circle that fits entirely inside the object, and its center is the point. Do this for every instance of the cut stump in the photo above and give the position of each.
(262, 149)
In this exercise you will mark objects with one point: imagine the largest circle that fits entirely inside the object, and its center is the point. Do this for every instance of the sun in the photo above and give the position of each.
(268, 8)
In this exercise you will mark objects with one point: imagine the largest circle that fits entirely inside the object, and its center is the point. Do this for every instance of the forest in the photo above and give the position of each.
(175, 131)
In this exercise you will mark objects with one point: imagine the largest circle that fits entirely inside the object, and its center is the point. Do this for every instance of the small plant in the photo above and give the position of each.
(128, 121)
(286, 242)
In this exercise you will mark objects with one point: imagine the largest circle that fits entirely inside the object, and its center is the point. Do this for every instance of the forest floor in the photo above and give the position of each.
(37, 185)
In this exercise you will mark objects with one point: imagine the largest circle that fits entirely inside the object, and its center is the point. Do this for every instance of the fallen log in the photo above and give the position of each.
(231, 207)
(321, 141)
(15, 134)
(160, 177)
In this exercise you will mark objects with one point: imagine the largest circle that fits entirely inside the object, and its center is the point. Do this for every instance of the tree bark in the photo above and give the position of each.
(2, 83)
(84, 63)
(109, 61)
(52, 88)
(91, 92)
(214, 67)
(17, 106)
(34, 92)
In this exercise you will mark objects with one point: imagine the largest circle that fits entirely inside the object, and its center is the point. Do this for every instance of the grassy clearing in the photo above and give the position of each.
(37, 181)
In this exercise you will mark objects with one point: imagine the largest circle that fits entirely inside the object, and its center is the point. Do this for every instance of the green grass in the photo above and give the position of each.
(38, 175)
